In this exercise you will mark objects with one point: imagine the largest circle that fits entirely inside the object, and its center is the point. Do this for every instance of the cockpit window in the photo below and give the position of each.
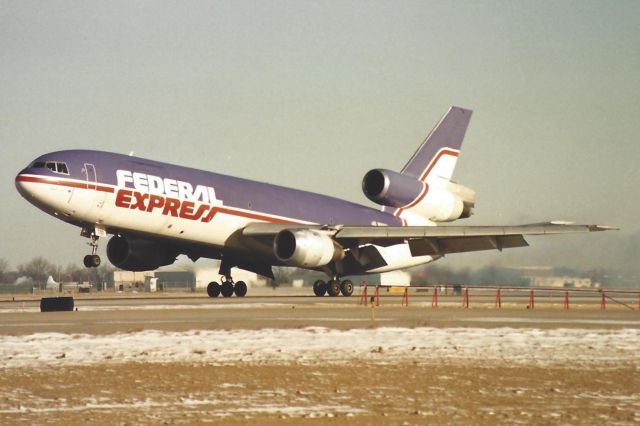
(62, 168)
(54, 166)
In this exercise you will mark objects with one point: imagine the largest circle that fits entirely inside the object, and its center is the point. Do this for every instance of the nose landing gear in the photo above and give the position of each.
(92, 260)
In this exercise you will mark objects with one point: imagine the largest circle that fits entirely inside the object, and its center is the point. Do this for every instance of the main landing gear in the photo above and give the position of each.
(227, 288)
(92, 260)
(333, 288)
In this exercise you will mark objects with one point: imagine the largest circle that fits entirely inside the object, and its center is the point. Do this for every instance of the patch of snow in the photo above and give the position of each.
(385, 345)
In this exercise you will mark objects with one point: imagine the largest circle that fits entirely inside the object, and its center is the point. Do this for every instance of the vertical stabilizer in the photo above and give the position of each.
(438, 154)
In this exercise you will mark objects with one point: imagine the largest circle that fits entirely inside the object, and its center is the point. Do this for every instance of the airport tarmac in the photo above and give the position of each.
(286, 358)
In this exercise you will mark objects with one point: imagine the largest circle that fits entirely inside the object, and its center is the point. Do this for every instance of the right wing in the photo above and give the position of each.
(430, 240)
(440, 240)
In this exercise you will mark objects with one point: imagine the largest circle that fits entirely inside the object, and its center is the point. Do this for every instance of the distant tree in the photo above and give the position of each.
(282, 276)
(74, 273)
(95, 276)
(563, 270)
(104, 274)
(493, 275)
(4, 268)
(38, 269)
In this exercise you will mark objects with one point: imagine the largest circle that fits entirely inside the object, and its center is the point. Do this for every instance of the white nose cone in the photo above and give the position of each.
(23, 186)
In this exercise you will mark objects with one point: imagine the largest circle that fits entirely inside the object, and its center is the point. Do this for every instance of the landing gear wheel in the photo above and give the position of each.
(319, 288)
(213, 289)
(346, 288)
(240, 289)
(226, 289)
(333, 288)
(91, 261)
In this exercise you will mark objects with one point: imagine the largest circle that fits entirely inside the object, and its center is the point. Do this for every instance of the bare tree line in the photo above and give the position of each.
(38, 270)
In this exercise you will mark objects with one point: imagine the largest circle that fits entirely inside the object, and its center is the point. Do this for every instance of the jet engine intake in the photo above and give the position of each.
(306, 248)
(392, 189)
(138, 254)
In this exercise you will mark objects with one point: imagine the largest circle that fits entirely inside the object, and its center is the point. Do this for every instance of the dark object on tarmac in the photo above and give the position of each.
(56, 304)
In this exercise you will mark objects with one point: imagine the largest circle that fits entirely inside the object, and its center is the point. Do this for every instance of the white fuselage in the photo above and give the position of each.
(174, 213)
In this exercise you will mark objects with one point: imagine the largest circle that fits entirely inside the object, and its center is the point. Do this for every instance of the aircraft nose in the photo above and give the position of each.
(21, 185)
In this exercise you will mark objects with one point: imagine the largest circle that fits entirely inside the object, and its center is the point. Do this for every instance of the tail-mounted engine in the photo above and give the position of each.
(439, 201)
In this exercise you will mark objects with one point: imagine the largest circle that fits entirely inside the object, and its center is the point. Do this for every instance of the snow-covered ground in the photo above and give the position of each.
(530, 346)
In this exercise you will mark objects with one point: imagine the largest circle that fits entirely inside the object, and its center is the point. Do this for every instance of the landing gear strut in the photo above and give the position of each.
(92, 260)
(227, 288)
(333, 288)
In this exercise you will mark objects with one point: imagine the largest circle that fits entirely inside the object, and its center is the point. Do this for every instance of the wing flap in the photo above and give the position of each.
(441, 246)
(384, 232)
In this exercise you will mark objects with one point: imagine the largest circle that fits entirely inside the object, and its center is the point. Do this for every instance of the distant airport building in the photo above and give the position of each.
(176, 277)
(546, 276)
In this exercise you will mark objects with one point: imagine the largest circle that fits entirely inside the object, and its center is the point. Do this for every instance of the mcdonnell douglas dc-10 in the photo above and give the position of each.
(157, 211)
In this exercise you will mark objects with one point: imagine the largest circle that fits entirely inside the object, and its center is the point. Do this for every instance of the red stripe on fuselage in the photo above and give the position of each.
(210, 215)
(419, 198)
(423, 177)
(58, 182)
(426, 172)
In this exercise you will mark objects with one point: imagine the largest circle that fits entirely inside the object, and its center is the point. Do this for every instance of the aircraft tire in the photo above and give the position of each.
(87, 261)
(213, 289)
(319, 288)
(226, 289)
(240, 289)
(333, 288)
(346, 288)
(95, 261)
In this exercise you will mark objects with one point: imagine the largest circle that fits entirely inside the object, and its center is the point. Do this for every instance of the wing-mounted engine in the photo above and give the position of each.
(307, 248)
(418, 202)
(138, 254)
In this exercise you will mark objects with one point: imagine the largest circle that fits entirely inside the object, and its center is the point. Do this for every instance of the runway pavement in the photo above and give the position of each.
(283, 357)
(291, 308)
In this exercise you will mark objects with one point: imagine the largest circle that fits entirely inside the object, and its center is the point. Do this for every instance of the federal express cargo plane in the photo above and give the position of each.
(157, 211)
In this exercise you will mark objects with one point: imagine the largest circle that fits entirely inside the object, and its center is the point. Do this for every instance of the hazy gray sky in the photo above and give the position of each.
(314, 94)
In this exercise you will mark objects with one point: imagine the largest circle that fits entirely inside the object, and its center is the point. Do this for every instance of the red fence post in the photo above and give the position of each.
(434, 298)
(498, 299)
(603, 302)
(532, 300)
(364, 298)
(405, 297)
(566, 299)
(465, 298)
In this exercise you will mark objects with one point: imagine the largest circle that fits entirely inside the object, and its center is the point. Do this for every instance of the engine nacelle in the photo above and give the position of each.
(440, 206)
(138, 254)
(442, 201)
(389, 188)
(306, 248)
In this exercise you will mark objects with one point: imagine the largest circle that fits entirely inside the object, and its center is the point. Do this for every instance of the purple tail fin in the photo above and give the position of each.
(438, 154)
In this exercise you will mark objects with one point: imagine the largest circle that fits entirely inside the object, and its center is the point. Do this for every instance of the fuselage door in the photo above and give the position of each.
(90, 174)
(94, 199)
